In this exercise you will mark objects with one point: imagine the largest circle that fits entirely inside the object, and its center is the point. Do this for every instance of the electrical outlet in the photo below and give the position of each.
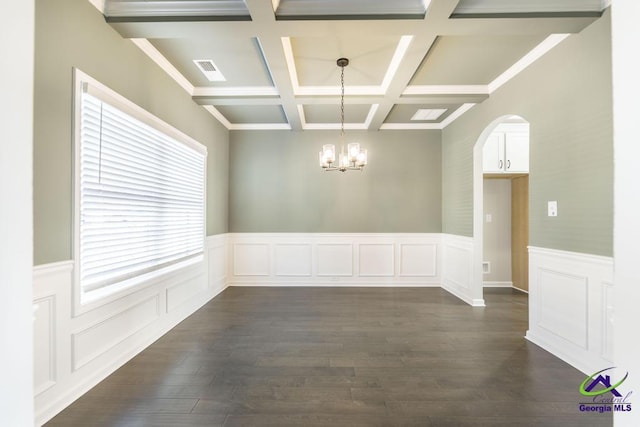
(489, 218)
(552, 208)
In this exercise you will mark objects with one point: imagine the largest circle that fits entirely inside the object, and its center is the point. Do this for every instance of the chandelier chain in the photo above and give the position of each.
(342, 101)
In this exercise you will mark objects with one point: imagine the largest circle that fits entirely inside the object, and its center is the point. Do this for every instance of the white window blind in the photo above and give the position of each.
(142, 202)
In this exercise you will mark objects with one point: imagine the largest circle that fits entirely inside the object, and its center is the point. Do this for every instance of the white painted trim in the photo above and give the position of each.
(337, 90)
(521, 290)
(572, 256)
(70, 378)
(218, 115)
(457, 269)
(236, 91)
(536, 53)
(61, 267)
(453, 116)
(260, 126)
(446, 90)
(568, 315)
(410, 126)
(155, 55)
(398, 55)
(493, 284)
(326, 248)
(372, 113)
(98, 4)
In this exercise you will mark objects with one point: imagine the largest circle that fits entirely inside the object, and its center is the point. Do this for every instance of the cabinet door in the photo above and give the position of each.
(517, 152)
(493, 153)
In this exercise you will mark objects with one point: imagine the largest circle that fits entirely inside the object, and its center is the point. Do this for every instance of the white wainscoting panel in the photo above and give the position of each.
(293, 259)
(458, 268)
(569, 306)
(251, 259)
(44, 345)
(376, 260)
(95, 340)
(75, 351)
(563, 305)
(336, 259)
(419, 260)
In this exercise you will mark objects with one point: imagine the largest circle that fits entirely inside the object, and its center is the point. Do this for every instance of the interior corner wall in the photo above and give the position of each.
(72, 33)
(567, 97)
(276, 184)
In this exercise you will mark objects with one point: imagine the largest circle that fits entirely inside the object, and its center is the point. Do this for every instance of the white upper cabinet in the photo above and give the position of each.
(507, 149)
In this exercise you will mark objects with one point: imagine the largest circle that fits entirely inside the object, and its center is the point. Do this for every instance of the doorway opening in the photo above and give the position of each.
(501, 205)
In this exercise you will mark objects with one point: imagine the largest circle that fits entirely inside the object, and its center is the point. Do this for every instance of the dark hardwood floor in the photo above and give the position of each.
(342, 357)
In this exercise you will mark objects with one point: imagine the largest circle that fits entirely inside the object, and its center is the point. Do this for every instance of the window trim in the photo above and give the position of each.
(84, 301)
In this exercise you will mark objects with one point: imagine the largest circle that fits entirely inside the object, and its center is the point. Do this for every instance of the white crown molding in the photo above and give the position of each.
(218, 115)
(153, 53)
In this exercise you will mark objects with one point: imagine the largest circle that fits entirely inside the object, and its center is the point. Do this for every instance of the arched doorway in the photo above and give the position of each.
(501, 153)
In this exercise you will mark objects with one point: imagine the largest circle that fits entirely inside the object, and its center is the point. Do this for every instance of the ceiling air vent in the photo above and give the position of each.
(209, 69)
(428, 114)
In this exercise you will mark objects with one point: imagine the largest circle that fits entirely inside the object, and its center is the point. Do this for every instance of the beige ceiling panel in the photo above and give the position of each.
(353, 113)
(402, 113)
(243, 114)
(472, 60)
(315, 59)
(240, 61)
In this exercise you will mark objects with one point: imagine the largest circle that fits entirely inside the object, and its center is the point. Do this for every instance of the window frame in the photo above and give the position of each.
(87, 300)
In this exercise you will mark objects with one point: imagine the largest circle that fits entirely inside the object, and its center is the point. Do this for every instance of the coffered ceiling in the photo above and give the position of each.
(274, 62)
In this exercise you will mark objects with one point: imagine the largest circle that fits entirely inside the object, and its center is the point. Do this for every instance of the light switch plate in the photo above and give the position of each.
(552, 208)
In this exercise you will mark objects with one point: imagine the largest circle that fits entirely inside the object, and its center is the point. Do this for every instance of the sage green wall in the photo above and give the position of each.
(72, 33)
(276, 184)
(567, 97)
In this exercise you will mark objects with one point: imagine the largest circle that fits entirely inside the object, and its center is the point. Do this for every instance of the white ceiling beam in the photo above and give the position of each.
(263, 18)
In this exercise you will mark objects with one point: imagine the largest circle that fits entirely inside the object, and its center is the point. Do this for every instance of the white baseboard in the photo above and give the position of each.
(497, 284)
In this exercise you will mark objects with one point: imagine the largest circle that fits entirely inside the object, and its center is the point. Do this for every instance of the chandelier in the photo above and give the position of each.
(354, 158)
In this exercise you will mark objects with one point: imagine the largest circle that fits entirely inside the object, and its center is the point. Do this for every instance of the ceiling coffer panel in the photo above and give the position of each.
(315, 59)
(240, 61)
(510, 7)
(222, 9)
(351, 9)
(244, 114)
(472, 60)
(353, 113)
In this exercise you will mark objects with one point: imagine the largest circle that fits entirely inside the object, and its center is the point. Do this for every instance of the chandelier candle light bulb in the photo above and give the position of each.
(354, 158)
